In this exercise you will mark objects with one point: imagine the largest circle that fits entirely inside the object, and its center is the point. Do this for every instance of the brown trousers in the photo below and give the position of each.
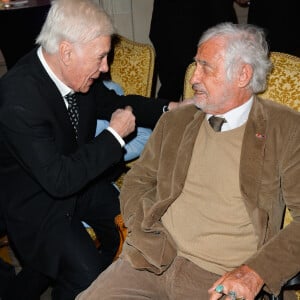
(183, 280)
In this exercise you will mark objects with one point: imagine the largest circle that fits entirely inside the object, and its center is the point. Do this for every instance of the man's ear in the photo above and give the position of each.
(65, 52)
(245, 75)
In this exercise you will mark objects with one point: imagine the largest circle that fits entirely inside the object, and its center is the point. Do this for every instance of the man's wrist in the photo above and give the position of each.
(171, 105)
(116, 135)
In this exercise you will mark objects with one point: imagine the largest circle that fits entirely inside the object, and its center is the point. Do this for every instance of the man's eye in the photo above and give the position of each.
(101, 57)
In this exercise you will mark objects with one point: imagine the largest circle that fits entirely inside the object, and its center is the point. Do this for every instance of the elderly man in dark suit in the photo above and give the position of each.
(54, 173)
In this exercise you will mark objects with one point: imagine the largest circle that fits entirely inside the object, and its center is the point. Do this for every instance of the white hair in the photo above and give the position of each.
(76, 21)
(245, 43)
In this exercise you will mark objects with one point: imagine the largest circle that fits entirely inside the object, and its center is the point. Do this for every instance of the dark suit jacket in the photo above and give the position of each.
(280, 21)
(269, 179)
(42, 167)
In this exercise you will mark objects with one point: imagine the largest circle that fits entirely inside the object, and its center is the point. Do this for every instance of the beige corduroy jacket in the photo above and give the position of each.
(269, 180)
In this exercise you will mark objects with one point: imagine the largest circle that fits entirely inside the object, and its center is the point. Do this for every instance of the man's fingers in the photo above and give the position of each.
(128, 107)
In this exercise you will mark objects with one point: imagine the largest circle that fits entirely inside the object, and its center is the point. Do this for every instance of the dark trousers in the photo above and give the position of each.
(7, 273)
(27, 285)
(16, 41)
(176, 27)
(80, 262)
(280, 35)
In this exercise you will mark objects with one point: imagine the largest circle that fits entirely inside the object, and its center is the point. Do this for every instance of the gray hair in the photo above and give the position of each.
(245, 43)
(75, 21)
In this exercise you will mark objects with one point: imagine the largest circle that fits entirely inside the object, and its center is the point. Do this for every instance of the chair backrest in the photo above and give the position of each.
(284, 80)
(283, 86)
(132, 66)
(187, 88)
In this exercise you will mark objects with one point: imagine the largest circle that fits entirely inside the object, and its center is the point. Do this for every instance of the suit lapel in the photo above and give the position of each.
(55, 102)
(252, 153)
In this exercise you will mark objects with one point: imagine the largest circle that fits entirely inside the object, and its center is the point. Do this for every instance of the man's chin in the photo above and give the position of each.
(208, 109)
(199, 102)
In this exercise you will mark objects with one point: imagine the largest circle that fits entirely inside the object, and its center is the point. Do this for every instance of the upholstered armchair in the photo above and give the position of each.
(132, 67)
(4, 250)
(284, 80)
(283, 87)
(187, 88)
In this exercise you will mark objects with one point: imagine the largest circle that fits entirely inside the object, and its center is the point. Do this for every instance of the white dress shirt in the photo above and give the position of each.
(235, 117)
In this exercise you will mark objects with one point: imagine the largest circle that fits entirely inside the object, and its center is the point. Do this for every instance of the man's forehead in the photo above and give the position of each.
(211, 50)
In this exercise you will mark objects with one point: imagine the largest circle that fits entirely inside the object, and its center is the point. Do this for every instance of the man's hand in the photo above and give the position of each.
(242, 281)
(123, 121)
(173, 105)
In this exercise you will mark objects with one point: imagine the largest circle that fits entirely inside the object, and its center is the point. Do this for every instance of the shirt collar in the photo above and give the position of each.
(63, 89)
(235, 117)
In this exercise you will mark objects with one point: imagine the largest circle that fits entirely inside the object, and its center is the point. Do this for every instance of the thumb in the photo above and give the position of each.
(128, 107)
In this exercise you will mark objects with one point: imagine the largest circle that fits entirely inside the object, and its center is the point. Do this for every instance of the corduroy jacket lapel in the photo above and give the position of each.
(251, 166)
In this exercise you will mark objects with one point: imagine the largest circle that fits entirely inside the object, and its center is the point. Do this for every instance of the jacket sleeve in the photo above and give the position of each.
(148, 245)
(139, 187)
(146, 110)
(29, 138)
(278, 259)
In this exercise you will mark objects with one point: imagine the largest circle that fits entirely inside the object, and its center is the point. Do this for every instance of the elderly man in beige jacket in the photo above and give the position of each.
(204, 206)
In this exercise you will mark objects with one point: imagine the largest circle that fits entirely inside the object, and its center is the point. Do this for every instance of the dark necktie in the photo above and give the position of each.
(216, 122)
(73, 111)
